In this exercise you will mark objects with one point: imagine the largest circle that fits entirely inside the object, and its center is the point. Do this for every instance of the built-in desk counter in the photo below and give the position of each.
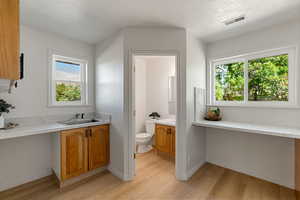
(287, 132)
(251, 128)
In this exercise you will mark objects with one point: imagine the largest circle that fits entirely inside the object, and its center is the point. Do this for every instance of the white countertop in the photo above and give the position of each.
(27, 130)
(251, 128)
(167, 122)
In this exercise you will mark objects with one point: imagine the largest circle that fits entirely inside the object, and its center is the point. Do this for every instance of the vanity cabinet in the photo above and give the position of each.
(98, 147)
(74, 152)
(9, 40)
(80, 151)
(165, 139)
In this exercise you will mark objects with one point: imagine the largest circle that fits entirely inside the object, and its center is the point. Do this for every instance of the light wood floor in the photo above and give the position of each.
(155, 180)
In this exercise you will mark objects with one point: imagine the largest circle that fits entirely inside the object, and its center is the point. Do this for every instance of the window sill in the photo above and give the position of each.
(67, 106)
(262, 106)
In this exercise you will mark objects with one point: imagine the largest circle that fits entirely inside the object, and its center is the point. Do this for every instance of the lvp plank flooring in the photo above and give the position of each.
(155, 179)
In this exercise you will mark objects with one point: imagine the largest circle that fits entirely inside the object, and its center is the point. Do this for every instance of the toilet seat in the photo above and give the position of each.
(143, 140)
(143, 137)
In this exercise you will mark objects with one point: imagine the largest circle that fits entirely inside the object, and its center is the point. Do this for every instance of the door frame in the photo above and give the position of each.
(131, 109)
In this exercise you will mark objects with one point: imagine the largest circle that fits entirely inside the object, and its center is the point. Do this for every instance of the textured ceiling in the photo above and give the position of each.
(94, 20)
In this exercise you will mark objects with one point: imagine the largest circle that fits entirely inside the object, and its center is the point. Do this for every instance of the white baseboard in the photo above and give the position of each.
(192, 171)
(250, 173)
(116, 173)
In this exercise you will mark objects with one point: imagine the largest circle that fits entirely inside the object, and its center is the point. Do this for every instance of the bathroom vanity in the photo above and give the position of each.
(165, 139)
(79, 153)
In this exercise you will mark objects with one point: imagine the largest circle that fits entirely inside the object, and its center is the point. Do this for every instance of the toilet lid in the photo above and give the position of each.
(143, 135)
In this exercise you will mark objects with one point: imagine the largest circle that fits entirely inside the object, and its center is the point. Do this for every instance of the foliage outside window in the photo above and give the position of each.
(68, 81)
(266, 77)
(230, 82)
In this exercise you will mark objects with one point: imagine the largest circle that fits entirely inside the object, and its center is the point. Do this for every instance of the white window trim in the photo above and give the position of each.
(52, 86)
(292, 75)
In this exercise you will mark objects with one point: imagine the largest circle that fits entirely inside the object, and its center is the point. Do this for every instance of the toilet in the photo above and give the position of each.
(144, 140)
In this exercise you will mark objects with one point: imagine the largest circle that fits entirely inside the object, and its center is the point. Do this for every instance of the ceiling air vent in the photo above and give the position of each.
(234, 20)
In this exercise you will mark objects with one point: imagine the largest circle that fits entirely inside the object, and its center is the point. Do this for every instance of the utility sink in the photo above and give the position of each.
(78, 121)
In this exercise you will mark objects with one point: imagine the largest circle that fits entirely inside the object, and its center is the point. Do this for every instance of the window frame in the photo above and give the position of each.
(292, 78)
(83, 82)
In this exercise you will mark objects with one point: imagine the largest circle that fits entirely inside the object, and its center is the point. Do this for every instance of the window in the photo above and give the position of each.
(264, 78)
(68, 82)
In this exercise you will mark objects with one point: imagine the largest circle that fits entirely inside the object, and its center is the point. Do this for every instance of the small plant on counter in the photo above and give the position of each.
(213, 114)
(154, 115)
(5, 107)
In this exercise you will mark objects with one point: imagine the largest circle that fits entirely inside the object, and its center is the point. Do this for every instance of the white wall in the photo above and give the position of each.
(24, 159)
(196, 70)
(110, 96)
(29, 158)
(158, 71)
(152, 88)
(160, 40)
(268, 157)
(31, 97)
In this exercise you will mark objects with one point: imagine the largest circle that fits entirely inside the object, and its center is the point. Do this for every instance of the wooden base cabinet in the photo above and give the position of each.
(98, 147)
(80, 151)
(74, 153)
(165, 139)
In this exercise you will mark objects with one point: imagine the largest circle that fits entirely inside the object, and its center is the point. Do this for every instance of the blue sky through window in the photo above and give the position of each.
(67, 67)
(65, 71)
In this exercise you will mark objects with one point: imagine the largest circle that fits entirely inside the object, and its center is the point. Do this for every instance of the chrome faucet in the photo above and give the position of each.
(77, 115)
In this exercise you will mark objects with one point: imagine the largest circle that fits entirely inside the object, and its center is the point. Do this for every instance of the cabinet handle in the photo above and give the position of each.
(90, 132)
(169, 131)
(22, 66)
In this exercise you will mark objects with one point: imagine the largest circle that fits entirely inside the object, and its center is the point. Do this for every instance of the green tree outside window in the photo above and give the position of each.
(267, 80)
(66, 92)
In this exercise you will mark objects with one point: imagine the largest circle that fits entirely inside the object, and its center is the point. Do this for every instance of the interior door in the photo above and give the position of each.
(74, 155)
(98, 146)
(162, 138)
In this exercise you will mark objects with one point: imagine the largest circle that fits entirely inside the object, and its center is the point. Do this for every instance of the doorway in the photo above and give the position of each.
(154, 101)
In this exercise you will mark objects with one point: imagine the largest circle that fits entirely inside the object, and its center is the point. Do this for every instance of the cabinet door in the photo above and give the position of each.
(74, 146)
(173, 141)
(99, 147)
(9, 40)
(162, 138)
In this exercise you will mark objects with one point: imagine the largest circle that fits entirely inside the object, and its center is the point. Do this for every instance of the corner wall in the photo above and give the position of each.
(157, 39)
(110, 96)
(196, 71)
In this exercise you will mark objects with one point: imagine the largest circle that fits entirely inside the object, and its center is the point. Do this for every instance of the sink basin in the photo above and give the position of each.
(78, 121)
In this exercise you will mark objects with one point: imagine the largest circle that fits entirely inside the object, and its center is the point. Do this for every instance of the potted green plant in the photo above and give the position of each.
(154, 115)
(4, 108)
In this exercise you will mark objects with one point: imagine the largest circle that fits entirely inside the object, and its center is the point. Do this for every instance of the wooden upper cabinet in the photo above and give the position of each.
(98, 146)
(9, 40)
(162, 138)
(74, 154)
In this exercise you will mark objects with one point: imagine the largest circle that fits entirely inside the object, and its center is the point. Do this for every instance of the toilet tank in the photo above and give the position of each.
(150, 126)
